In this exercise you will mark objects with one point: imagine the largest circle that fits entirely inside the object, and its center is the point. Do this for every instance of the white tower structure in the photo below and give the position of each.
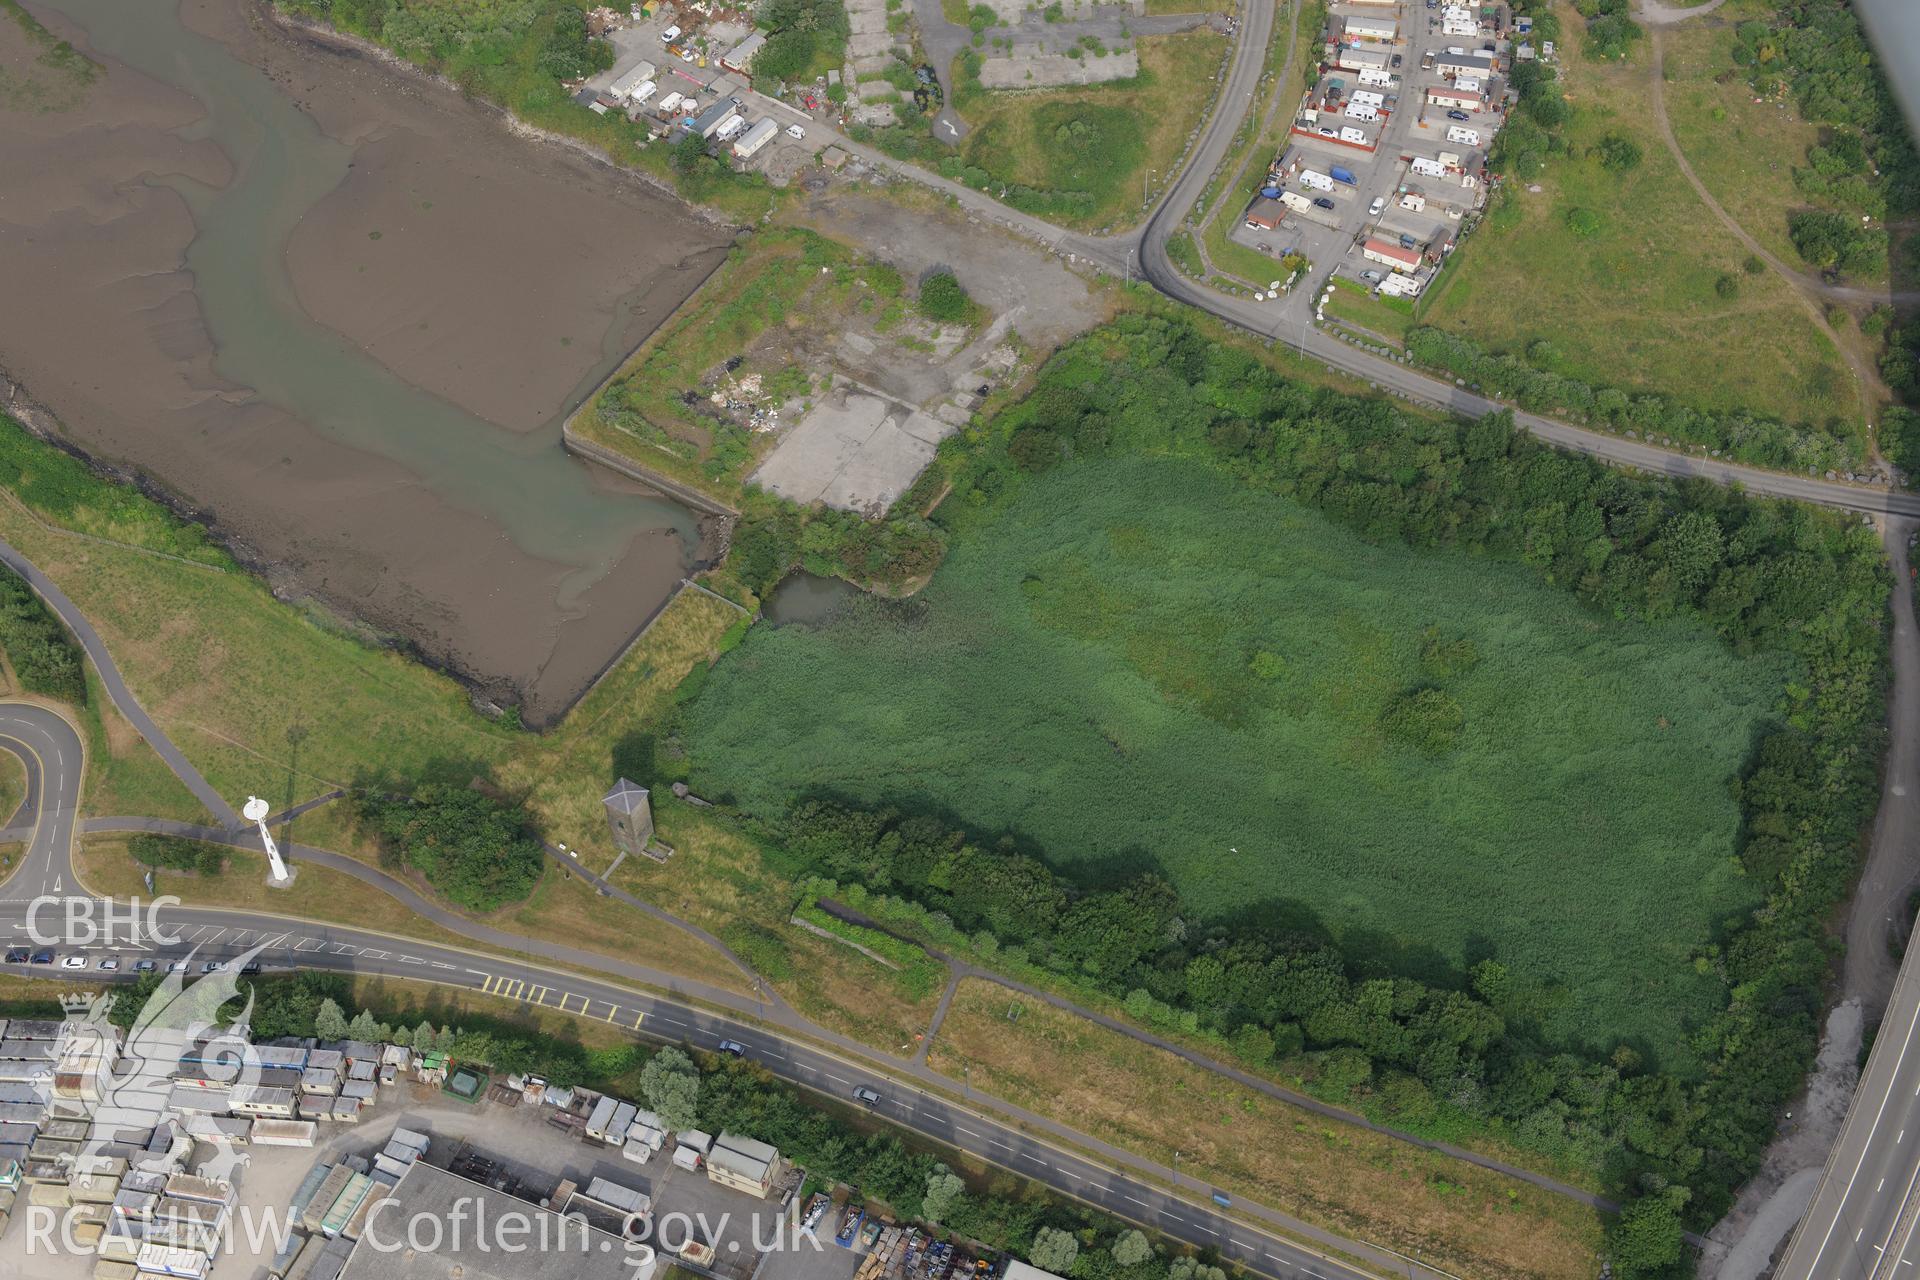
(256, 812)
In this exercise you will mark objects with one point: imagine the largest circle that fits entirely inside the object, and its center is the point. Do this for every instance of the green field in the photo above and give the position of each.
(1200, 682)
(1630, 300)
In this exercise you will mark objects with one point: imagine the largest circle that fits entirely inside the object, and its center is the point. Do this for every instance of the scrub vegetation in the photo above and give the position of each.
(43, 655)
(1606, 298)
(1177, 638)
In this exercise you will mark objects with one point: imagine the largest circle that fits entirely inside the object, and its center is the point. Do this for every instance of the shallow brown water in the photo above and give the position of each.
(342, 310)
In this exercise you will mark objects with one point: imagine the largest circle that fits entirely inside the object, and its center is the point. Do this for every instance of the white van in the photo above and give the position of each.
(669, 35)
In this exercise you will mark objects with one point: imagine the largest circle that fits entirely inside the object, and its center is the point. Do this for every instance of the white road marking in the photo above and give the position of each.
(963, 1129)
(1906, 1041)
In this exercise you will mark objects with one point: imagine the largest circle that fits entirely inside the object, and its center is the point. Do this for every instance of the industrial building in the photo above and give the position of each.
(745, 1164)
(556, 1248)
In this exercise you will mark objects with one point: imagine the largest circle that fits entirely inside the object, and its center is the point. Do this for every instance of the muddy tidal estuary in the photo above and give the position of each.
(342, 311)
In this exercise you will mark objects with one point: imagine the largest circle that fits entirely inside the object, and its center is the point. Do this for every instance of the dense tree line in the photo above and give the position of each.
(44, 656)
(726, 1095)
(470, 846)
(1531, 382)
(775, 538)
(1761, 575)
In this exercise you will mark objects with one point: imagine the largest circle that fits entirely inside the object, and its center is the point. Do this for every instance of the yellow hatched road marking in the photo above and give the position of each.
(612, 1011)
(637, 1019)
(538, 995)
(487, 986)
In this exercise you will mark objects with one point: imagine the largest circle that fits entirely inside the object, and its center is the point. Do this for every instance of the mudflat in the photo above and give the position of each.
(372, 420)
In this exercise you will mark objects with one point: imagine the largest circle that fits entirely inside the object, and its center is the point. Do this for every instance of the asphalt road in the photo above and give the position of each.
(38, 911)
(49, 749)
(1860, 1225)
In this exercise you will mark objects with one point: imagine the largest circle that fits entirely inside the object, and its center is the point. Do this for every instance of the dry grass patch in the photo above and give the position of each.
(566, 771)
(719, 879)
(565, 910)
(1345, 1179)
(320, 894)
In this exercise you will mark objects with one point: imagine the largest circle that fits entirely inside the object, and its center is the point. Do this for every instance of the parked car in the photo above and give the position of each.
(214, 966)
(1379, 203)
(110, 963)
(43, 957)
(178, 966)
(145, 966)
(16, 955)
(733, 1047)
(669, 35)
(795, 131)
(1371, 277)
(250, 967)
(1396, 62)
(1458, 115)
(1322, 202)
(863, 1094)
(74, 962)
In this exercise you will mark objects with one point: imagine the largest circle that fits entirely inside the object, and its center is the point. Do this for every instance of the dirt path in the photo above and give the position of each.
(1655, 14)
(1809, 286)
(1873, 392)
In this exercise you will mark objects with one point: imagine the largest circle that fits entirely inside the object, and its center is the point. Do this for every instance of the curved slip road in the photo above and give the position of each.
(48, 748)
(531, 973)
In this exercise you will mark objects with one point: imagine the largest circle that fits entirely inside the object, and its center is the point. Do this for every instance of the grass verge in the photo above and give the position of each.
(1385, 317)
(1152, 1103)
(1246, 165)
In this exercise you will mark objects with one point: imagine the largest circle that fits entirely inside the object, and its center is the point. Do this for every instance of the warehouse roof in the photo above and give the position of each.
(563, 1249)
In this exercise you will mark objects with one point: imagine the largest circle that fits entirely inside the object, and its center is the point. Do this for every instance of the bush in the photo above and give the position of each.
(471, 847)
(1618, 152)
(943, 299)
(1753, 266)
(1585, 223)
(1727, 285)
(44, 656)
(1836, 242)
(177, 854)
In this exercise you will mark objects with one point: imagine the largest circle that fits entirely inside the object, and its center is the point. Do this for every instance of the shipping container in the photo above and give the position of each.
(623, 1198)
